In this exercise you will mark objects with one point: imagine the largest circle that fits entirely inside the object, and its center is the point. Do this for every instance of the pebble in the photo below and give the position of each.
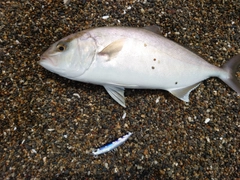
(207, 120)
(47, 132)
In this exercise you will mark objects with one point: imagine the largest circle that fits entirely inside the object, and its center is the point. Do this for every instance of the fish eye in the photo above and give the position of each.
(61, 47)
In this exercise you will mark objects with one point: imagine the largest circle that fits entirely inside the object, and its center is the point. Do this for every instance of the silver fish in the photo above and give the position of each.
(125, 57)
(112, 145)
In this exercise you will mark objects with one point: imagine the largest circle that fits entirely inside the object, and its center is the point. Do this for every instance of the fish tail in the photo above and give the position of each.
(231, 67)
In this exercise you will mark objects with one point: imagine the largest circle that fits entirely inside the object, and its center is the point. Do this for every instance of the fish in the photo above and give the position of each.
(66, 2)
(135, 58)
(112, 145)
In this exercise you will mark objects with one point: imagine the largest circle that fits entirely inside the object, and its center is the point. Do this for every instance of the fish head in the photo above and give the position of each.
(71, 56)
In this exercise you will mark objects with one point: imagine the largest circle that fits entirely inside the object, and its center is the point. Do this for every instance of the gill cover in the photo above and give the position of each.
(83, 53)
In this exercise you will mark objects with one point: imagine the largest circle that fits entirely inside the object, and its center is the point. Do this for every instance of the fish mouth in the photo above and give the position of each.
(46, 60)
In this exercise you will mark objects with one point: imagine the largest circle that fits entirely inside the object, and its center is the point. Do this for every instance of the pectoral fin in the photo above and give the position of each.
(117, 93)
(112, 49)
(183, 93)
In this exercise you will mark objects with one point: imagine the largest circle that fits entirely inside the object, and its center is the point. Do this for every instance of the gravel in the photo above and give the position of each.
(50, 125)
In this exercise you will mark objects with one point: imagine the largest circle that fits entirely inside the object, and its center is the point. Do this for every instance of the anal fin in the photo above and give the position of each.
(117, 93)
(183, 93)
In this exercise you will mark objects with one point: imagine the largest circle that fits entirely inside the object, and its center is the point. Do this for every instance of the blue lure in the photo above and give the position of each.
(112, 145)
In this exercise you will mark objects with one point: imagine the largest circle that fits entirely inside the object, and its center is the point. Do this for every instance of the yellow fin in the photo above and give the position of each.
(112, 49)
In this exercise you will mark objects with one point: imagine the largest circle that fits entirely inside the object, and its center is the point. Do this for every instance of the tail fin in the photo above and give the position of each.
(232, 67)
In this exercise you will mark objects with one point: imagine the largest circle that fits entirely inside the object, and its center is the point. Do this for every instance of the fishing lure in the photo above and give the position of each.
(112, 145)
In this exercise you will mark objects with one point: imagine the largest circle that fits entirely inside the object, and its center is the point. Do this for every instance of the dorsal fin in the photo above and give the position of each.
(155, 29)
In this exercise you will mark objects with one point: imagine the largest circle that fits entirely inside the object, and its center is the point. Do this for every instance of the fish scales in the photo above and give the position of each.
(125, 57)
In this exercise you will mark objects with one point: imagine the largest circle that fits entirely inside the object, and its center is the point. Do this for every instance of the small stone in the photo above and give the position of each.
(207, 120)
